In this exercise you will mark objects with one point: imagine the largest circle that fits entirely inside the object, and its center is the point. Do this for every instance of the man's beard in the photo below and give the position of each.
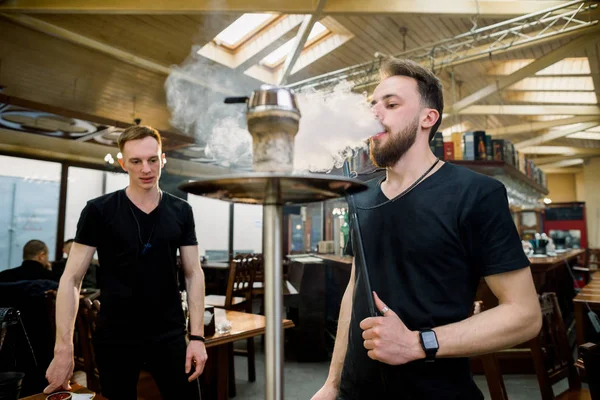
(388, 154)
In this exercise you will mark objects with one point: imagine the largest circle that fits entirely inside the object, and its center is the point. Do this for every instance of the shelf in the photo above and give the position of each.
(490, 168)
(493, 168)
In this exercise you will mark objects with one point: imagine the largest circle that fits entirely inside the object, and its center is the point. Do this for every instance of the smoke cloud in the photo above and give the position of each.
(332, 127)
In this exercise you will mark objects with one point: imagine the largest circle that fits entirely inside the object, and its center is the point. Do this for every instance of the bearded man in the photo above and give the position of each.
(431, 230)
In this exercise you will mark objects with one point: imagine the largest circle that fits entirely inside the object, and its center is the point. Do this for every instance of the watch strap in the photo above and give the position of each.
(197, 337)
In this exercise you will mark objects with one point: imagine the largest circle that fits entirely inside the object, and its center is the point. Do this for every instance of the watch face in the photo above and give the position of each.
(429, 340)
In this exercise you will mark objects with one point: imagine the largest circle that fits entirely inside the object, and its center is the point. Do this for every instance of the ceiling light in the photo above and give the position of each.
(547, 200)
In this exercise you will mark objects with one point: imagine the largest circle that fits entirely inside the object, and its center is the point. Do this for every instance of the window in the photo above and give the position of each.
(247, 229)
(242, 29)
(212, 227)
(83, 184)
(29, 191)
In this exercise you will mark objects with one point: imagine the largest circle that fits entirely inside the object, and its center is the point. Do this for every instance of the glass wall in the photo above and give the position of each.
(29, 191)
(83, 184)
(212, 227)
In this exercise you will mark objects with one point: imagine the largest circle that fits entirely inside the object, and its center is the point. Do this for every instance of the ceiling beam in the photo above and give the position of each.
(538, 126)
(78, 39)
(300, 41)
(556, 134)
(539, 161)
(567, 151)
(530, 110)
(484, 8)
(593, 55)
(528, 70)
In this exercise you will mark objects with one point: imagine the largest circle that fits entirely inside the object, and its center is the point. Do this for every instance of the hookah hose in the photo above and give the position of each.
(360, 261)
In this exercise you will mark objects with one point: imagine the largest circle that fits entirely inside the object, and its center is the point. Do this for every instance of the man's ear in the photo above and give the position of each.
(122, 164)
(430, 118)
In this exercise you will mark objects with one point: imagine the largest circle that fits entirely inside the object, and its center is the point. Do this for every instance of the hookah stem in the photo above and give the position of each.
(360, 259)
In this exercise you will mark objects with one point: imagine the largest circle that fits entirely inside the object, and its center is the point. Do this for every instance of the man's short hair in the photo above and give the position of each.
(430, 87)
(33, 248)
(138, 132)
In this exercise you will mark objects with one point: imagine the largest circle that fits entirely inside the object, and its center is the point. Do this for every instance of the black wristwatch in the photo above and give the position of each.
(429, 343)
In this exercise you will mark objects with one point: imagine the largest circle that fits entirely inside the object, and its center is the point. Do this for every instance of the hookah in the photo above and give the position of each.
(273, 119)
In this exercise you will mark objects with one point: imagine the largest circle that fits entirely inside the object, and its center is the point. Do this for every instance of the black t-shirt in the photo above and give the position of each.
(139, 289)
(30, 270)
(426, 252)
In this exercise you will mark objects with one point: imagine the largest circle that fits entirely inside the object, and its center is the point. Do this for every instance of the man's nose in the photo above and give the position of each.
(146, 167)
(377, 112)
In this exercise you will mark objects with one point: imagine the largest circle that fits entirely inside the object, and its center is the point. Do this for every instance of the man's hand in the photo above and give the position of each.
(59, 372)
(196, 356)
(388, 340)
(327, 392)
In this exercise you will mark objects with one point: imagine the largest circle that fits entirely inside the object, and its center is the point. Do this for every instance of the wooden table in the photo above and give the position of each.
(590, 294)
(75, 388)
(541, 266)
(243, 326)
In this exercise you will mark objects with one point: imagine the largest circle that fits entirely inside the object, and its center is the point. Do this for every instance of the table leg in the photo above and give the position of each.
(579, 323)
(223, 372)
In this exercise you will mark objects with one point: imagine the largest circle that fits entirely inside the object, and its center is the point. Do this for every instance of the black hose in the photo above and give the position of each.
(360, 260)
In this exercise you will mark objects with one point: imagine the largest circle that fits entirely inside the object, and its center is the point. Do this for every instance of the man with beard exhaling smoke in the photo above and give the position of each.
(431, 230)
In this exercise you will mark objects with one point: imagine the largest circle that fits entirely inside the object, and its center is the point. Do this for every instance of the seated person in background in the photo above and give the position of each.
(58, 267)
(35, 264)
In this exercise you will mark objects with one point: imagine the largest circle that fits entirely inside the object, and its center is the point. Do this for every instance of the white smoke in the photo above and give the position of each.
(332, 127)
(195, 92)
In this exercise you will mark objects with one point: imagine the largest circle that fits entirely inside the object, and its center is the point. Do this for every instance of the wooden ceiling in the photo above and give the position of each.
(110, 59)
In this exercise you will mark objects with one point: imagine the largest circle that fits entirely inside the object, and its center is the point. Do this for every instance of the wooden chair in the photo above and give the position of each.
(290, 291)
(552, 357)
(238, 297)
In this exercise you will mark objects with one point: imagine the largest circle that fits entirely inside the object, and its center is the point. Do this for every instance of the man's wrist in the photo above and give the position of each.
(63, 349)
(417, 346)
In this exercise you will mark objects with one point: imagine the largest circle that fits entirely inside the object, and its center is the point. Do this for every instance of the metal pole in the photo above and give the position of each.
(273, 292)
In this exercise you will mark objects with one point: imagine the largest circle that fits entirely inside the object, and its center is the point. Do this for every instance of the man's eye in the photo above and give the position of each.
(135, 162)
(392, 105)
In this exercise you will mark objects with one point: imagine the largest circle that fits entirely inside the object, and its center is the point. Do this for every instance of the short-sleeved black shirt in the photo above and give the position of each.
(139, 292)
(426, 252)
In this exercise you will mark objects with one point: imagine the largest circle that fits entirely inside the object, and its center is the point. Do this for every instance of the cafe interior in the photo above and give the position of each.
(521, 83)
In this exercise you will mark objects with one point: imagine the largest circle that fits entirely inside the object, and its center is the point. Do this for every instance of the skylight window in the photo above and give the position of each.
(242, 29)
(278, 56)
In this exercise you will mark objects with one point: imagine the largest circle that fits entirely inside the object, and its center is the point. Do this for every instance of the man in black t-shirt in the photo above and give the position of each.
(430, 231)
(137, 232)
